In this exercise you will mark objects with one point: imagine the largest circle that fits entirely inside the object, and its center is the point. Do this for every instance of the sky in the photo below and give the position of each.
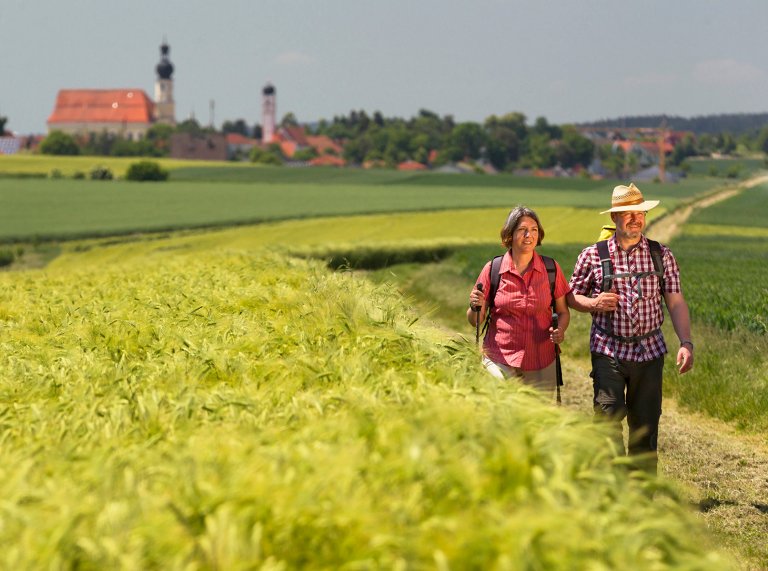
(569, 61)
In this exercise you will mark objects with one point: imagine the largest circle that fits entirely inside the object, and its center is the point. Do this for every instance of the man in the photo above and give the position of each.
(626, 342)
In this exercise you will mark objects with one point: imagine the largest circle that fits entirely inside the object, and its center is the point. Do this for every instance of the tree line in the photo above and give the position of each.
(735, 124)
(507, 142)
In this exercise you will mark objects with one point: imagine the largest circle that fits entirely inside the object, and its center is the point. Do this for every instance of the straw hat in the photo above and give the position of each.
(626, 198)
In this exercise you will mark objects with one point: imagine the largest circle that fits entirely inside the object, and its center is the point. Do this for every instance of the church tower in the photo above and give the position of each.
(165, 108)
(268, 111)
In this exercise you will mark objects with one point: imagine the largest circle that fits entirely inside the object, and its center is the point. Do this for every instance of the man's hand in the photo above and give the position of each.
(605, 301)
(685, 359)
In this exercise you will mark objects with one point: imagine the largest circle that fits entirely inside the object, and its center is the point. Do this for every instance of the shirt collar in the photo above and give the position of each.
(537, 264)
(613, 244)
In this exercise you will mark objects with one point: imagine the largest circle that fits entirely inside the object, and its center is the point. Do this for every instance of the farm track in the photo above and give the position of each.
(722, 472)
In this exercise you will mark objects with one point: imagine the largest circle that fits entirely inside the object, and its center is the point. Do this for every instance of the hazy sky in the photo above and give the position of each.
(566, 60)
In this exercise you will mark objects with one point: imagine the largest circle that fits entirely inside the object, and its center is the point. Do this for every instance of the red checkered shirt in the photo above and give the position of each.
(640, 308)
(518, 334)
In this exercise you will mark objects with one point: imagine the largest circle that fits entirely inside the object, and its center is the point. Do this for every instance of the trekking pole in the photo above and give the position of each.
(477, 319)
(558, 368)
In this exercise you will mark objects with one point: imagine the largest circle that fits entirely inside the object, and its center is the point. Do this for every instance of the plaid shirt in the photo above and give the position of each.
(518, 335)
(640, 308)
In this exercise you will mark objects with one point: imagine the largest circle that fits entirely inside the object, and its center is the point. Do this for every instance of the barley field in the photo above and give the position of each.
(203, 408)
(224, 400)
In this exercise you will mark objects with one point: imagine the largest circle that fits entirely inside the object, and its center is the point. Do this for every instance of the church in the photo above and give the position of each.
(127, 113)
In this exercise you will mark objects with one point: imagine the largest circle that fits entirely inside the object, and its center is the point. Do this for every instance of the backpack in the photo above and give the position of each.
(549, 263)
(609, 276)
(607, 231)
(607, 265)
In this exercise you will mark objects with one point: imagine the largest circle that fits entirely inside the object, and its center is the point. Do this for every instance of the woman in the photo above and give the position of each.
(520, 341)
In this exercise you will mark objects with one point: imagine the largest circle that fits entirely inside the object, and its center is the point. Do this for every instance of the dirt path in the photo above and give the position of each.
(723, 473)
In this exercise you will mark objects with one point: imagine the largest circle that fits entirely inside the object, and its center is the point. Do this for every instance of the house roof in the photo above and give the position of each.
(293, 133)
(411, 166)
(240, 139)
(102, 106)
(322, 143)
(327, 161)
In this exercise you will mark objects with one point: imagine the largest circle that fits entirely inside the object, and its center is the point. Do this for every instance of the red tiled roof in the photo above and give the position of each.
(411, 166)
(240, 139)
(294, 133)
(327, 161)
(102, 106)
(322, 143)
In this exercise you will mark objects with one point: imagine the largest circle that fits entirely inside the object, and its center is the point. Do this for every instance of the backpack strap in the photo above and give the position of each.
(495, 280)
(658, 263)
(605, 265)
(549, 263)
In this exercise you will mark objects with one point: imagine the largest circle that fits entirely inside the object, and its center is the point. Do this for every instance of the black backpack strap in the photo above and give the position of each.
(658, 262)
(549, 263)
(495, 279)
(605, 264)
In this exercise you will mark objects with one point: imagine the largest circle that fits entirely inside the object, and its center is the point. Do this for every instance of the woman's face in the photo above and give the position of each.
(526, 235)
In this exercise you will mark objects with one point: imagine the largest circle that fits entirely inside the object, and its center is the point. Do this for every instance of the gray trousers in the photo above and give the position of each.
(626, 389)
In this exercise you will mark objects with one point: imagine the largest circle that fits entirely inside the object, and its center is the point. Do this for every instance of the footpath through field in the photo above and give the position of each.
(723, 473)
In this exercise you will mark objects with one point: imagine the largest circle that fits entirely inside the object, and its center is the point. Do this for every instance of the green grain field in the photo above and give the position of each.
(205, 408)
(209, 400)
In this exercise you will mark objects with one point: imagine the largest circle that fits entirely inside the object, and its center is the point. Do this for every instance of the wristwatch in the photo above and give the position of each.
(687, 342)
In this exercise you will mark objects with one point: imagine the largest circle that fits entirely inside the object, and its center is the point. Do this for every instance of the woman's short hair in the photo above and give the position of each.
(513, 220)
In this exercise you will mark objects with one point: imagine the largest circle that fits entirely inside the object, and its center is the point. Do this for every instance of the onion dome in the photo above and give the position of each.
(269, 89)
(165, 67)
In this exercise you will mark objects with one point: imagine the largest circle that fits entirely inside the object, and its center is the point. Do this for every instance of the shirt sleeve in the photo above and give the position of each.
(671, 273)
(583, 280)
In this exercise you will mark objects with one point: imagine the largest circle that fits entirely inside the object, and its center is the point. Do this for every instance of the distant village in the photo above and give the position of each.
(437, 144)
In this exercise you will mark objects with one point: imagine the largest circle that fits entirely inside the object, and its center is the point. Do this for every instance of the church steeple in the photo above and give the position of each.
(165, 67)
(165, 108)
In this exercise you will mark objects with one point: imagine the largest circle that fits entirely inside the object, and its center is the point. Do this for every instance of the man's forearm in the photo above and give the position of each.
(681, 319)
(580, 302)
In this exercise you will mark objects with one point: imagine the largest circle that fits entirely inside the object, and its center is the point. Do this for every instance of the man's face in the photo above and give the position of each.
(629, 225)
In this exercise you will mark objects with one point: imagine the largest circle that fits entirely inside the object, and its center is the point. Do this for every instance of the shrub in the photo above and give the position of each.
(6, 257)
(146, 170)
(55, 173)
(101, 173)
(59, 143)
(78, 175)
(266, 157)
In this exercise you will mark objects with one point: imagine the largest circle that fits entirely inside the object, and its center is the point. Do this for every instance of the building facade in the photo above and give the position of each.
(126, 113)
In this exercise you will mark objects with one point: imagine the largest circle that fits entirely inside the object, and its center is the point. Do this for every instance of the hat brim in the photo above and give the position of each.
(643, 206)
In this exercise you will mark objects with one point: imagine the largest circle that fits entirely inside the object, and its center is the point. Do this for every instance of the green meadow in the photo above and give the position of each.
(222, 399)
(63, 209)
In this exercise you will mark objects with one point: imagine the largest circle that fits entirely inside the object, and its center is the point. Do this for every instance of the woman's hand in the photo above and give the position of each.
(476, 299)
(556, 335)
